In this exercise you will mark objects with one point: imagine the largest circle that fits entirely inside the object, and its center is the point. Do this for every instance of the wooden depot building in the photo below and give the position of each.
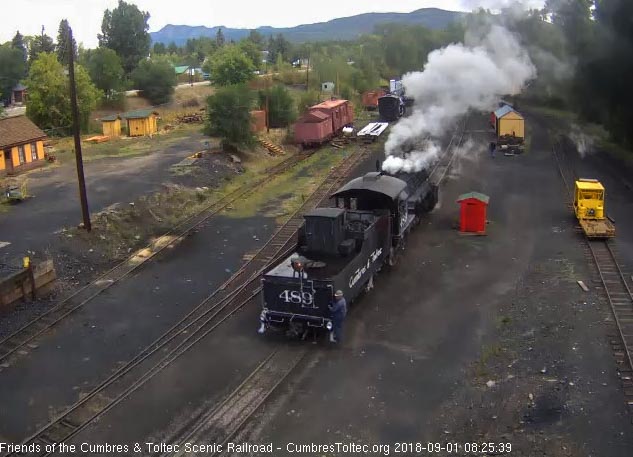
(21, 145)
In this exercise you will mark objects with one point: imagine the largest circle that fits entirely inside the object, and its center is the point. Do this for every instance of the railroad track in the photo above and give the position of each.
(218, 307)
(223, 422)
(440, 169)
(617, 287)
(22, 340)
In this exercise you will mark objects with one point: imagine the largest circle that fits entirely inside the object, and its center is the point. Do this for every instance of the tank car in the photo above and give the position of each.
(343, 248)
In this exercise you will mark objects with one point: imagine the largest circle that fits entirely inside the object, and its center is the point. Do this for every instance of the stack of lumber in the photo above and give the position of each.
(192, 118)
(272, 148)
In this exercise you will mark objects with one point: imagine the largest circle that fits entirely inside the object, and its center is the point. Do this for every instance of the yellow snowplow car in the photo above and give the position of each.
(589, 208)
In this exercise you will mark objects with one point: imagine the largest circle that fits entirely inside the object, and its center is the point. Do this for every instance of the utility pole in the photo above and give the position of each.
(75, 112)
(308, 74)
(267, 110)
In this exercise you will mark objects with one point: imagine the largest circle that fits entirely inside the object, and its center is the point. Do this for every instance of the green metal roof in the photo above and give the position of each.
(110, 118)
(476, 196)
(180, 69)
(140, 114)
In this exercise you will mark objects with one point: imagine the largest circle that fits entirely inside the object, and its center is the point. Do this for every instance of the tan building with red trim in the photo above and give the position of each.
(21, 145)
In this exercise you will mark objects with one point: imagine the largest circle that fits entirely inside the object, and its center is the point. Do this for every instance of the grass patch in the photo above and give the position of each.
(284, 194)
(122, 147)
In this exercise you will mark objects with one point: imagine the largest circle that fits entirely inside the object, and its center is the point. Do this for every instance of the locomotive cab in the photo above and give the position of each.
(377, 191)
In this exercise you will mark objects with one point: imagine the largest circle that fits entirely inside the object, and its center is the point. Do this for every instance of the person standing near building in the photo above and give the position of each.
(338, 309)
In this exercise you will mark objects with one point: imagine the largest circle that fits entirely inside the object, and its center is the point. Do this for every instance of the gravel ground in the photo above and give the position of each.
(472, 340)
(80, 257)
(468, 339)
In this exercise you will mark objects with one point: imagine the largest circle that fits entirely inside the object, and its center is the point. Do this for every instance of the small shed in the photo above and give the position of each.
(141, 122)
(509, 122)
(473, 212)
(111, 126)
(327, 86)
(258, 121)
(18, 94)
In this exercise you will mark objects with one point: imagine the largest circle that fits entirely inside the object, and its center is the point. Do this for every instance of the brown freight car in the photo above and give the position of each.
(370, 99)
(315, 127)
(323, 121)
(341, 111)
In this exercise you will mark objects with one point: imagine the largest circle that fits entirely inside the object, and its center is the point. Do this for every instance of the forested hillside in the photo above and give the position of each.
(347, 28)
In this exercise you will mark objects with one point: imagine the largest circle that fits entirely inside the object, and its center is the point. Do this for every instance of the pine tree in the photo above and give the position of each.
(18, 43)
(63, 47)
(219, 38)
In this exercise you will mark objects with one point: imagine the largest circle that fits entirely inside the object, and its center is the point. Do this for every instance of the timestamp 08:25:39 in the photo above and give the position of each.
(472, 448)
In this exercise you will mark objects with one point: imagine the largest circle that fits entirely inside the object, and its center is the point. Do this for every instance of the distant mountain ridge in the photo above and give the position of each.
(346, 28)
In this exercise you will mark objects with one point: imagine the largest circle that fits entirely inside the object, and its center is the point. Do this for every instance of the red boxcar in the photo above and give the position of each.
(315, 127)
(341, 111)
(370, 98)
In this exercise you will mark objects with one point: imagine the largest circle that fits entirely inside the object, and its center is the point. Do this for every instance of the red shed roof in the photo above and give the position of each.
(329, 104)
(474, 195)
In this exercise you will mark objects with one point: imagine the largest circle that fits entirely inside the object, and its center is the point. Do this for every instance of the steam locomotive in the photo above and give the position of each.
(342, 248)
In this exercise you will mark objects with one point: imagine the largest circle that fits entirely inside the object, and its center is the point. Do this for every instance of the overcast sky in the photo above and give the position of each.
(85, 16)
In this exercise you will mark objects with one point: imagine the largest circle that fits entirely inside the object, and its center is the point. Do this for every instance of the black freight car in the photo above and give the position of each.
(390, 107)
(341, 248)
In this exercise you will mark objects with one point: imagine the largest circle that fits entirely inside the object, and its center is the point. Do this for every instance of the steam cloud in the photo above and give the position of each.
(456, 79)
(584, 143)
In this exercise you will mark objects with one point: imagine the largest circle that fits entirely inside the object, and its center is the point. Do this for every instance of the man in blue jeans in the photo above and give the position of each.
(338, 309)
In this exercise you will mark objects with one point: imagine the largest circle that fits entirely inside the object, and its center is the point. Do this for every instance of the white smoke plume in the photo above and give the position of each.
(497, 5)
(455, 80)
(413, 161)
(584, 142)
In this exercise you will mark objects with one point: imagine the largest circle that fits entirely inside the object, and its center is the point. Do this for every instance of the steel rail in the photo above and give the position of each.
(207, 421)
(608, 261)
(19, 339)
(64, 422)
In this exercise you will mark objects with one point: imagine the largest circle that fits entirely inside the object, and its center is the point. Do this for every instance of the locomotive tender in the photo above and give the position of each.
(342, 248)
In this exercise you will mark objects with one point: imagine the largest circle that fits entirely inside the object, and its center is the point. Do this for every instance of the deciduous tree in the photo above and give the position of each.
(229, 66)
(105, 69)
(125, 30)
(39, 44)
(281, 106)
(156, 78)
(49, 99)
(229, 116)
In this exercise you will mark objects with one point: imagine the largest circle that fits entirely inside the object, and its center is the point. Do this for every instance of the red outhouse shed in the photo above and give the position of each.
(473, 209)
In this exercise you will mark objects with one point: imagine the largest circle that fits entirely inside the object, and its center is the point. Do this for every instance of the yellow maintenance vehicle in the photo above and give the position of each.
(589, 208)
